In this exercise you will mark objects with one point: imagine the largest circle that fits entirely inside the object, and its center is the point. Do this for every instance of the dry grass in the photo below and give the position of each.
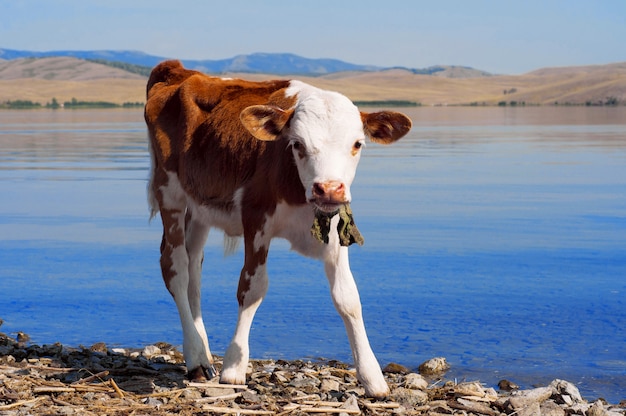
(94, 82)
(575, 85)
(113, 90)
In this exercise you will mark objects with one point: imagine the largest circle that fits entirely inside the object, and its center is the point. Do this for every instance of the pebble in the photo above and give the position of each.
(525, 398)
(434, 366)
(415, 381)
(507, 385)
(395, 368)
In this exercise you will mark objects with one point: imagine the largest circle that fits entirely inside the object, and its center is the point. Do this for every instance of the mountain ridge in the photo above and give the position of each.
(259, 63)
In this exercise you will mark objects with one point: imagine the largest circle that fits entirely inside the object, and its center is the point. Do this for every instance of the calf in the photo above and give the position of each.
(258, 160)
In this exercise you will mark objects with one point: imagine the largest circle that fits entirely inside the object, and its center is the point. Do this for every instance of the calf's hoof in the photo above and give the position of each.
(201, 374)
(378, 395)
(231, 377)
(376, 388)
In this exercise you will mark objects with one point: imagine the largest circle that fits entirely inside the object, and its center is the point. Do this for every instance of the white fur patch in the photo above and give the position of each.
(152, 201)
(326, 124)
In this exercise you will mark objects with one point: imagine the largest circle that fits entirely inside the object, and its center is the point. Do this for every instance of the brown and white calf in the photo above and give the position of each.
(255, 159)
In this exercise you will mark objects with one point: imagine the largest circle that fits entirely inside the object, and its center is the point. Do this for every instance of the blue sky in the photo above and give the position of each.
(499, 36)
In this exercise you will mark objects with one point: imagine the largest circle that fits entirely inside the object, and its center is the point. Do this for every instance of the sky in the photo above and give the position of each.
(498, 36)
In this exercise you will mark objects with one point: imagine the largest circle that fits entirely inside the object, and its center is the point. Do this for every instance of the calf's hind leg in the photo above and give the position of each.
(181, 258)
(196, 234)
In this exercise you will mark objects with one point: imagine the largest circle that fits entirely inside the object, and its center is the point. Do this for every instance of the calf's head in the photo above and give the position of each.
(326, 133)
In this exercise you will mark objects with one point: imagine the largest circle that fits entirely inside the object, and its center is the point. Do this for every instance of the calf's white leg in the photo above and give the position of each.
(181, 258)
(346, 298)
(195, 237)
(253, 283)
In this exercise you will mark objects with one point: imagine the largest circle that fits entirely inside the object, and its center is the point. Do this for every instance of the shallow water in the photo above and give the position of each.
(495, 237)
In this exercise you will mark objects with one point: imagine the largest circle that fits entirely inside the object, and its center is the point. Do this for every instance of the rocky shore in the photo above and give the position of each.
(96, 380)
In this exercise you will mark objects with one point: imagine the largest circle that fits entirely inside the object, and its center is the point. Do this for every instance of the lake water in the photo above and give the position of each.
(495, 237)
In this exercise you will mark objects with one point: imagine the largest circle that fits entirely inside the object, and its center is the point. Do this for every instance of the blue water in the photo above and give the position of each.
(495, 237)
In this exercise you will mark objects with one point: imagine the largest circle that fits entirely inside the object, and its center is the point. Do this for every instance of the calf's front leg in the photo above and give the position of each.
(253, 283)
(346, 298)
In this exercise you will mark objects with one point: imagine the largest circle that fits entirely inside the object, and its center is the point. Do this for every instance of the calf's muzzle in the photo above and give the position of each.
(328, 195)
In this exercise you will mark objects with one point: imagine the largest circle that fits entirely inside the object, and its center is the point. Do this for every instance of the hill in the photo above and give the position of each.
(61, 68)
(64, 78)
(260, 63)
(599, 84)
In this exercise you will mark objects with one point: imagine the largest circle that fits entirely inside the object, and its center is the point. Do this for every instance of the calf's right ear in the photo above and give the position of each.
(265, 122)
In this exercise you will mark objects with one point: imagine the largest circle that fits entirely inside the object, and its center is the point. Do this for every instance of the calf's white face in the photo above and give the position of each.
(326, 135)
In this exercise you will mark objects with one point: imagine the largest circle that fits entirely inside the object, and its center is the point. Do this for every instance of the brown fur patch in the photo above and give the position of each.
(194, 126)
(385, 127)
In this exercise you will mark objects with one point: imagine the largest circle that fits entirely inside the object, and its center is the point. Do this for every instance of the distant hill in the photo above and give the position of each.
(131, 57)
(62, 68)
(260, 63)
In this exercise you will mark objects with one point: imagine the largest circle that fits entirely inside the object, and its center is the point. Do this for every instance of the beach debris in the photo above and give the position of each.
(55, 379)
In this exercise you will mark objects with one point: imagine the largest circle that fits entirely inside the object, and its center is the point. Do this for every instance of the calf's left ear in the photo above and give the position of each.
(385, 127)
(265, 122)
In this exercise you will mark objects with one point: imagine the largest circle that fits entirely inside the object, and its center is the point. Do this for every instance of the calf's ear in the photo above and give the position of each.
(385, 127)
(265, 122)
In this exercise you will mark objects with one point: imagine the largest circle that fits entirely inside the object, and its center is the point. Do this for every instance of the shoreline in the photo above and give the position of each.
(94, 380)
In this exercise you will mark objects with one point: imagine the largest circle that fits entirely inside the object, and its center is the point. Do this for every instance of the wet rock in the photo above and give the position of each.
(99, 347)
(395, 369)
(434, 366)
(22, 338)
(507, 385)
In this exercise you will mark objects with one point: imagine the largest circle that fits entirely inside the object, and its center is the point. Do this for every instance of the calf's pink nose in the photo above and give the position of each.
(330, 191)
